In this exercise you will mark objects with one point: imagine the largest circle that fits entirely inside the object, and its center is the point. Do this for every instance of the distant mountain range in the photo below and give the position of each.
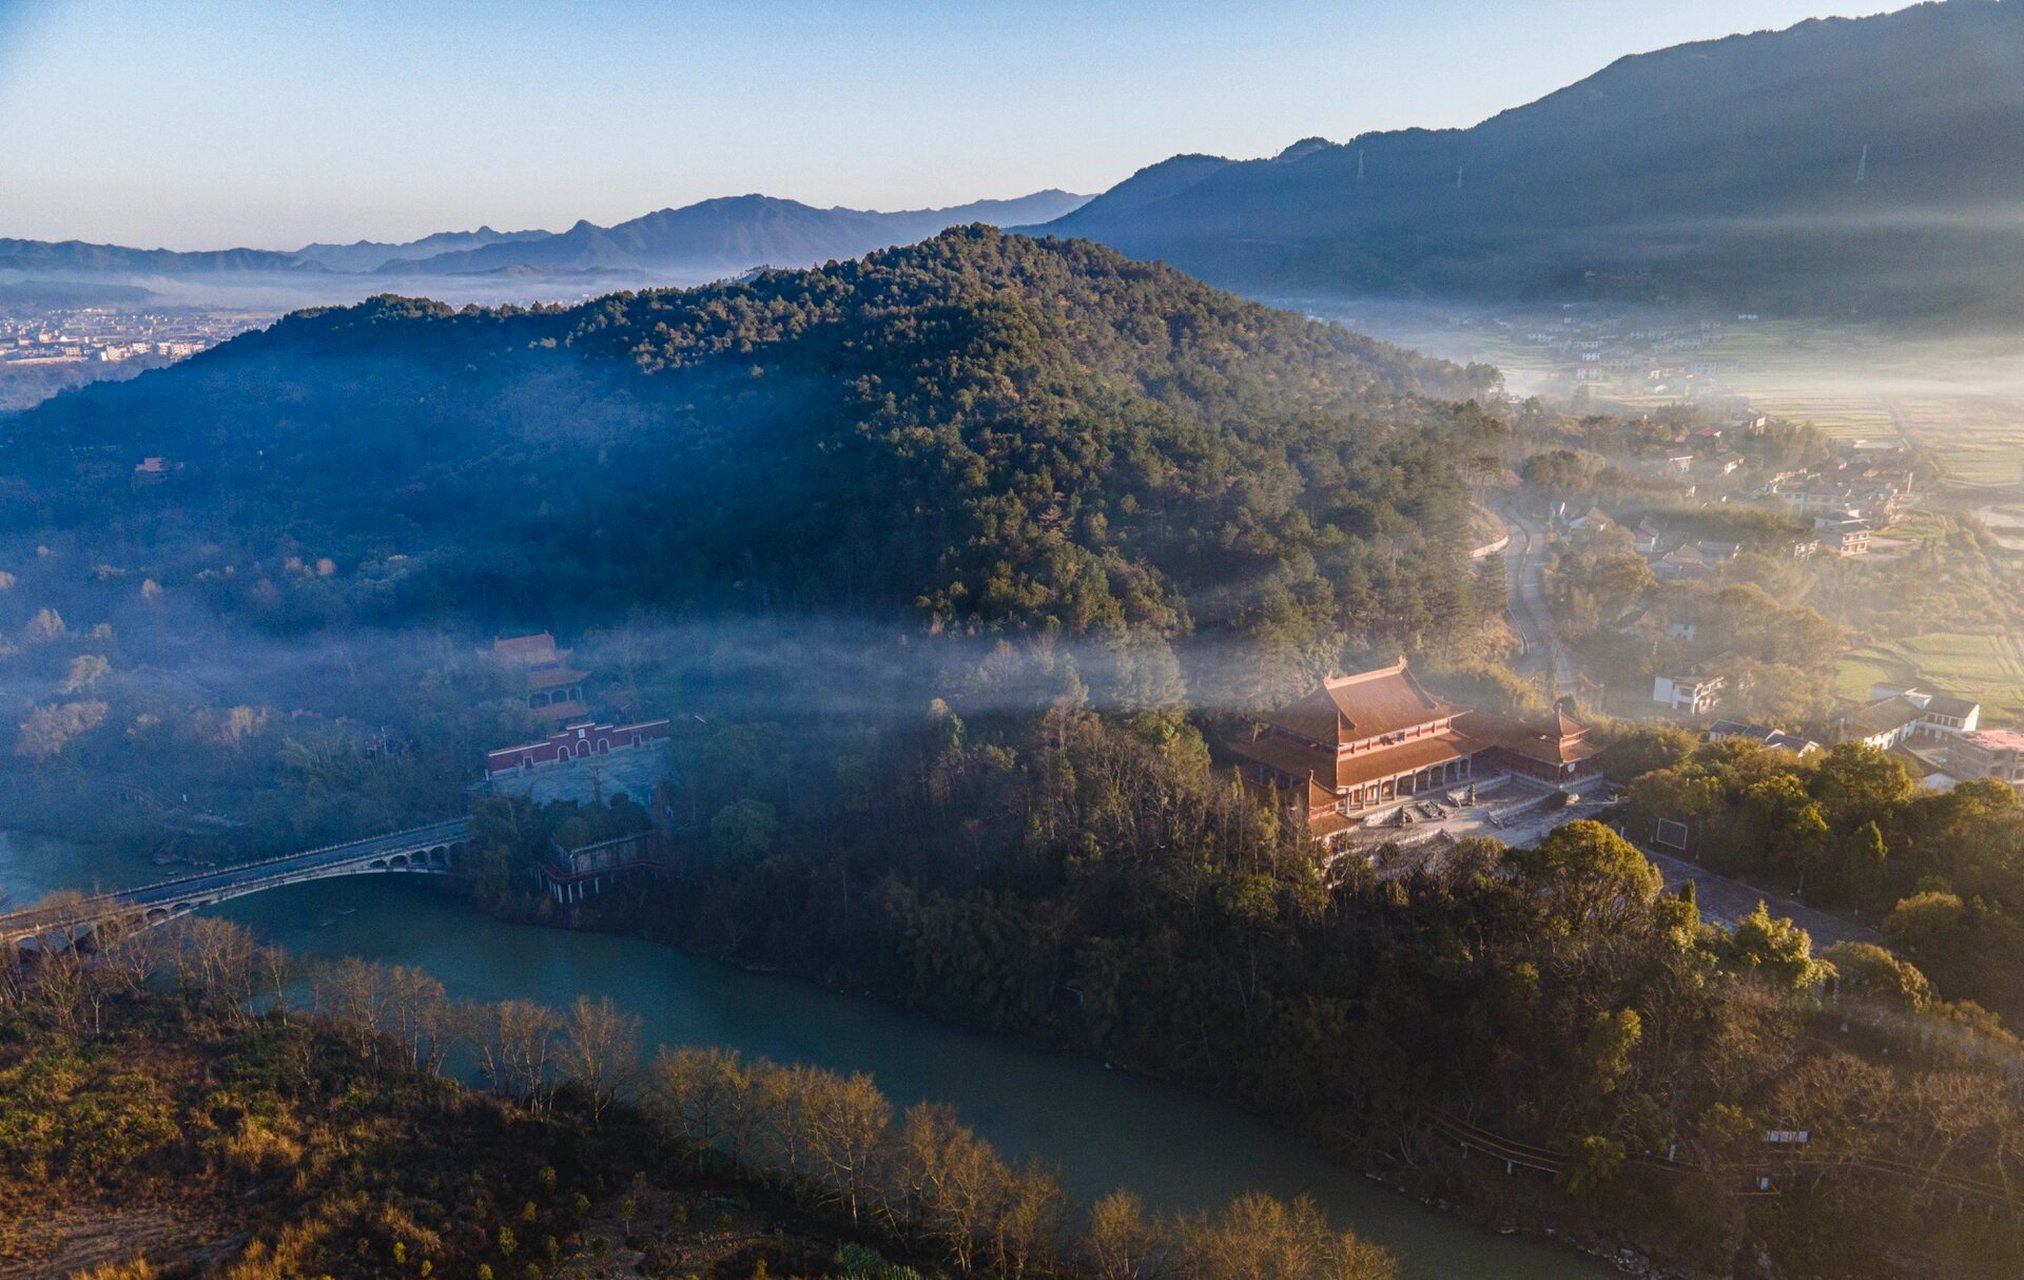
(1871, 166)
(729, 235)
(688, 245)
(1867, 167)
(371, 255)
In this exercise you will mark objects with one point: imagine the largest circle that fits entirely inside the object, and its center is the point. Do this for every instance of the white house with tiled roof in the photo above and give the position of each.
(1894, 716)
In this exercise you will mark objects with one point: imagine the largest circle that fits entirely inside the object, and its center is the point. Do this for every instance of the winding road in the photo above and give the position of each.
(1526, 579)
(1722, 900)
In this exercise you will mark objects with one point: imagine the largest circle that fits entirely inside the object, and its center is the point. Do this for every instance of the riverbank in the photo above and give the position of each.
(1102, 1128)
(1468, 1199)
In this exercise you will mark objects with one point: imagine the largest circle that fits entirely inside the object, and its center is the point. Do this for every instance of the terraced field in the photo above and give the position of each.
(1986, 667)
(2006, 523)
(1978, 439)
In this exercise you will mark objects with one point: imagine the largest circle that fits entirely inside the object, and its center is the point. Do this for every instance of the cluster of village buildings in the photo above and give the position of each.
(1865, 490)
(1616, 356)
(43, 351)
(1940, 735)
(108, 335)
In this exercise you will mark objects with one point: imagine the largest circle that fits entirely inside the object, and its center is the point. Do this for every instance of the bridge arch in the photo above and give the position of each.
(438, 848)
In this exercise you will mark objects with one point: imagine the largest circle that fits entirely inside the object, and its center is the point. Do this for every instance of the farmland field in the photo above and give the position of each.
(1978, 439)
(1986, 667)
(1961, 400)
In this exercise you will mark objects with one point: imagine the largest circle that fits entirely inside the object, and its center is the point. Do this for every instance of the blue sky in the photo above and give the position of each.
(271, 123)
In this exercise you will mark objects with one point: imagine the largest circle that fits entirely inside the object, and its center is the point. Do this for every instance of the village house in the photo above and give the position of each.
(1763, 736)
(1379, 736)
(1681, 564)
(153, 471)
(1940, 716)
(1894, 716)
(1844, 537)
(1818, 499)
(1988, 753)
(1695, 692)
(1580, 521)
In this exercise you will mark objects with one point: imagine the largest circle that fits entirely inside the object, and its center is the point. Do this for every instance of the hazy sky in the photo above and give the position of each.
(273, 122)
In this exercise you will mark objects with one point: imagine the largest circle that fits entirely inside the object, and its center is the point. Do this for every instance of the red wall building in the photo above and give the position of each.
(573, 742)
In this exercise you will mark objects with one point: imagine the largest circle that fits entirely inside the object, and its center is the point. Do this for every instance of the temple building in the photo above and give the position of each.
(1555, 750)
(1365, 740)
(552, 687)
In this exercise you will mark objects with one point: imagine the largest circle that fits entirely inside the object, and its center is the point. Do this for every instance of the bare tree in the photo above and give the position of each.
(514, 1042)
(699, 1096)
(777, 1097)
(354, 994)
(1029, 1220)
(958, 1180)
(129, 957)
(600, 1051)
(416, 1009)
(846, 1122)
(277, 969)
(1123, 1243)
(213, 961)
(1259, 1236)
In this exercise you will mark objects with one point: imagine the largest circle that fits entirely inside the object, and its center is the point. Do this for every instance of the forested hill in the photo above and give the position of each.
(1732, 170)
(989, 430)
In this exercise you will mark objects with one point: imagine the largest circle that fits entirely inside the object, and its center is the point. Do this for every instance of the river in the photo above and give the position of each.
(1103, 1129)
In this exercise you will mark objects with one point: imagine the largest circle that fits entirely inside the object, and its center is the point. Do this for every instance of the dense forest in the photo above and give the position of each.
(1852, 828)
(999, 432)
(874, 474)
(1081, 877)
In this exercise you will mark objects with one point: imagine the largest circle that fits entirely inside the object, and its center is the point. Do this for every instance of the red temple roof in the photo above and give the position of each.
(539, 647)
(1565, 742)
(1369, 704)
(1332, 772)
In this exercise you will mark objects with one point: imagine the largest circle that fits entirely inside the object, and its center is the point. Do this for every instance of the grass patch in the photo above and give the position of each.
(1986, 667)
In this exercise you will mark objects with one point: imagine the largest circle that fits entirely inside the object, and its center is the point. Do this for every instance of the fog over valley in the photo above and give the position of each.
(1444, 703)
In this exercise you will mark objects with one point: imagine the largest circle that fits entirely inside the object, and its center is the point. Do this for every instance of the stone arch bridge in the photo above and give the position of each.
(437, 849)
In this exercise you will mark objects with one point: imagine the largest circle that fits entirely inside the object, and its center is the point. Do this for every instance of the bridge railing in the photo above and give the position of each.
(88, 907)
